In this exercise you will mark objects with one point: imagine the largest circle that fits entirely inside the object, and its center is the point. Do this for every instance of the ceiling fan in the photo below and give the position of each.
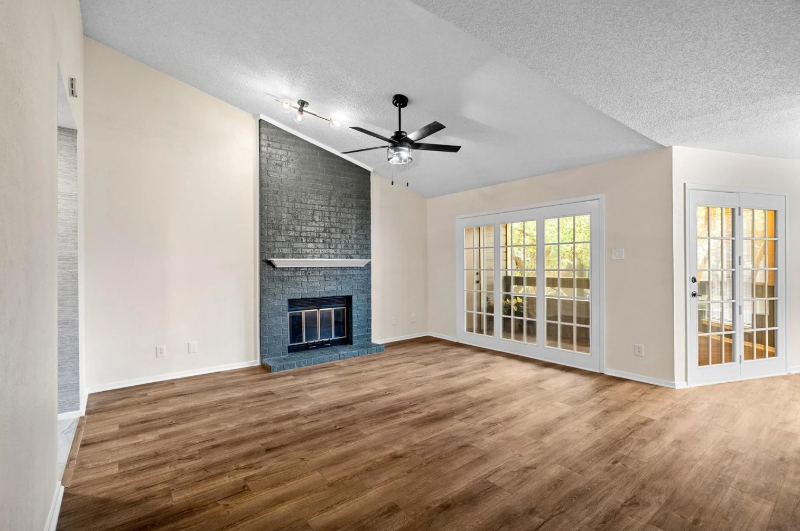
(400, 144)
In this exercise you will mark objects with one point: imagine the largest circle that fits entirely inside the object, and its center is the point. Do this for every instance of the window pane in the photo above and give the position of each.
(702, 254)
(518, 306)
(759, 254)
(519, 330)
(747, 253)
(582, 282)
(771, 254)
(727, 223)
(772, 350)
(772, 313)
(583, 312)
(530, 332)
(469, 301)
(478, 323)
(506, 328)
(530, 233)
(518, 257)
(715, 222)
(727, 254)
(703, 318)
(702, 222)
(488, 236)
(530, 257)
(567, 335)
(567, 256)
(747, 222)
(759, 224)
(551, 278)
(748, 345)
(551, 256)
(716, 285)
(551, 231)
(468, 237)
(747, 277)
(716, 349)
(582, 256)
(552, 335)
(582, 339)
(715, 321)
(582, 228)
(487, 278)
(530, 282)
(551, 309)
(727, 285)
(488, 302)
(530, 307)
(566, 229)
(518, 233)
(469, 324)
(761, 344)
(771, 224)
(715, 254)
(567, 284)
(702, 351)
(567, 311)
(489, 329)
(506, 304)
(469, 262)
(488, 259)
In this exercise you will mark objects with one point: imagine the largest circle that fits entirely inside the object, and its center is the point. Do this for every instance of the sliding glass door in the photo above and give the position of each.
(532, 282)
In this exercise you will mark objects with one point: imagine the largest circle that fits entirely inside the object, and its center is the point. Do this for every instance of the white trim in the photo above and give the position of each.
(172, 376)
(55, 508)
(736, 379)
(734, 189)
(318, 262)
(794, 370)
(257, 239)
(443, 336)
(561, 202)
(312, 141)
(645, 379)
(400, 338)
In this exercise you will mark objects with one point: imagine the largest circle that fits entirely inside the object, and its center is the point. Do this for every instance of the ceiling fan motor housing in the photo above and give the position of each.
(399, 101)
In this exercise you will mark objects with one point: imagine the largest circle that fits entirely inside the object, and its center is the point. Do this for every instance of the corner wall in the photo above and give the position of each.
(37, 37)
(702, 166)
(170, 224)
(399, 262)
(639, 289)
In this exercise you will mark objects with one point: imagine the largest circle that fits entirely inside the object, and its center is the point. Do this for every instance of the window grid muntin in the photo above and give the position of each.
(759, 309)
(478, 272)
(716, 285)
(563, 294)
(518, 260)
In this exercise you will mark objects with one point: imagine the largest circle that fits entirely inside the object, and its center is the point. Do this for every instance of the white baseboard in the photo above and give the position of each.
(172, 376)
(78, 413)
(400, 338)
(442, 336)
(55, 508)
(794, 370)
(644, 379)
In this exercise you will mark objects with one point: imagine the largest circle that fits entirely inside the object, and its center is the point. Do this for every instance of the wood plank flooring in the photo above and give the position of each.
(435, 435)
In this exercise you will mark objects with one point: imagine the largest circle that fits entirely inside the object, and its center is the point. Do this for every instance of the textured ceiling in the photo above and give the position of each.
(710, 74)
(349, 57)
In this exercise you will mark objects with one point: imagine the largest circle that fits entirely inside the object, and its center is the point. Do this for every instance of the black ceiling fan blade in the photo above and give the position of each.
(437, 147)
(365, 149)
(376, 135)
(428, 130)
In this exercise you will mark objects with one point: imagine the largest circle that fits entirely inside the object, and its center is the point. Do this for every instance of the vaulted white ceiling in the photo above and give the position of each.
(510, 82)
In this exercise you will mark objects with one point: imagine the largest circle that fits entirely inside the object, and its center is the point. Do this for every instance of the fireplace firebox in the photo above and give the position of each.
(319, 322)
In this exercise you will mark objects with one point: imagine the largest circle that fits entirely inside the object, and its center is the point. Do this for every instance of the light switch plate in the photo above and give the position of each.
(618, 254)
(413, 318)
(161, 351)
(638, 350)
(193, 347)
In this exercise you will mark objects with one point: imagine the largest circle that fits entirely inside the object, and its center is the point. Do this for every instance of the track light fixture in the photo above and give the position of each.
(300, 110)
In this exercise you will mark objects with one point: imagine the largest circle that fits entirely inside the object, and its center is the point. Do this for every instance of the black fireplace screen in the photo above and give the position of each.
(318, 322)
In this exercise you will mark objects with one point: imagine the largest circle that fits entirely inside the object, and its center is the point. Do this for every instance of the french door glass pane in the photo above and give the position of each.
(479, 280)
(759, 264)
(716, 336)
(567, 283)
(518, 247)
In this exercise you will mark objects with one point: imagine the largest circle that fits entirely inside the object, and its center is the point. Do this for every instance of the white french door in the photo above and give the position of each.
(736, 286)
(530, 282)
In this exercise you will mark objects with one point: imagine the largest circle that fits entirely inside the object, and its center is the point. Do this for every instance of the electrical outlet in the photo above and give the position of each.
(413, 318)
(618, 254)
(638, 350)
(161, 351)
(193, 347)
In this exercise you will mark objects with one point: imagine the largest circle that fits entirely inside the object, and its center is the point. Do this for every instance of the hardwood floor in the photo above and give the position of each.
(434, 435)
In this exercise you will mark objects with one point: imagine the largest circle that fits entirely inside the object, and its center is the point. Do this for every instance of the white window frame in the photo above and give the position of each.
(594, 204)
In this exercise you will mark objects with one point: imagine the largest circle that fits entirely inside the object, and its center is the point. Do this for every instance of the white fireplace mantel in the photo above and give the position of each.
(317, 262)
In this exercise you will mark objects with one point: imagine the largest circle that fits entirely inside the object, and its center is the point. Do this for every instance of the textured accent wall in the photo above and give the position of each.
(68, 353)
(313, 204)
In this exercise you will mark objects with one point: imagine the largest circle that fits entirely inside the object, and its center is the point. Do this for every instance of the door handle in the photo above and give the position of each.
(694, 294)
(694, 280)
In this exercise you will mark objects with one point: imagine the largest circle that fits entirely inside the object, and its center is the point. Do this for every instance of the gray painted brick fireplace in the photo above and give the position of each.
(312, 204)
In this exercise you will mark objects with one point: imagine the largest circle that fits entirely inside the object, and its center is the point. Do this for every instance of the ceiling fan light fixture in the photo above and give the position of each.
(335, 124)
(398, 155)
(286, 105)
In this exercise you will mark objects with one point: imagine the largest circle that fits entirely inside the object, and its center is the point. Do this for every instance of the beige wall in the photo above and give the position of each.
(36, 36)
(699, 166)
(638, 219)
(399, 262)
(170, 224)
